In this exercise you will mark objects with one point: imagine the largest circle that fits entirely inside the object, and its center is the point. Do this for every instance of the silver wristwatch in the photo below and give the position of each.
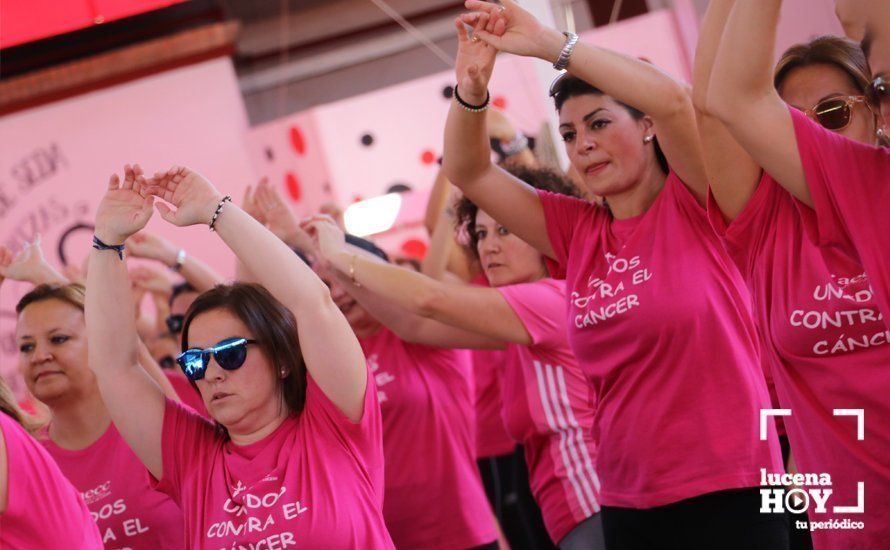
(563, 60)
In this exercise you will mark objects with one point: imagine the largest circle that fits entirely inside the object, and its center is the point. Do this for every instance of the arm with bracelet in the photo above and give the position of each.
(340, 370)
(432, 312)
(153, 247)
(467, 158)
(634, 82)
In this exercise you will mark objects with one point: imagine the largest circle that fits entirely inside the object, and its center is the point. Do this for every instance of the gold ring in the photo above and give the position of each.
(475, 39)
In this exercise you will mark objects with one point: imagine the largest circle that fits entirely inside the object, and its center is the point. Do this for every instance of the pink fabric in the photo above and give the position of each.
(115, 486)
(434, 497)
(492, 438)
(315, 482)
(828, 349)
(43, 510)
(188, 394)
(549, 407)
(659, 319)
(850, 186)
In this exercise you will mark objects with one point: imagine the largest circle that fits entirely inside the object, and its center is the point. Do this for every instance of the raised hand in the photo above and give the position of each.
(151, 280)
(123, 210)
(6, 256)
(509, 28)
(328, 237)
(280, 219)
(250, 205)
(29, 265)
(194, 197)
(151, 247)
(475, 59)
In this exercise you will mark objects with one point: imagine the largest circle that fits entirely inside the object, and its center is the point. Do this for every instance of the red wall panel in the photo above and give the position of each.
(24, 21)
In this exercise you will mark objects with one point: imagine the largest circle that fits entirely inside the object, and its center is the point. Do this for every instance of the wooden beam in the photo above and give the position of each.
(117, 66)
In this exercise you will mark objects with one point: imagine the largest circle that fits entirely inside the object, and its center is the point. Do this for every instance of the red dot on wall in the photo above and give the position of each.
(293, 187)
(414, 248)
(428, 156)
(297, 140)
(500, 102)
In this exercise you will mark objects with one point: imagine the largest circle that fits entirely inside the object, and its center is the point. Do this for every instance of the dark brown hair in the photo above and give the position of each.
(539, 178)
(570, 86)
(272, 325)
(73, 294)
(836, 51)
(867, 41)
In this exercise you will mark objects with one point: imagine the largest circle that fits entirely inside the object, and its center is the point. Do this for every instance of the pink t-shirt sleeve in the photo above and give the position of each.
(186, 439)
(365, 435)
(541, 308)
(848, 182)
(746, 234)
(563, 215)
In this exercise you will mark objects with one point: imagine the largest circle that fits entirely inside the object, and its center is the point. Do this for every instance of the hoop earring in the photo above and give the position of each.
(648, 139)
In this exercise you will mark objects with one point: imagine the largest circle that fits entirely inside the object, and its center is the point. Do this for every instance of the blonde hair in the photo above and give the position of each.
(10, 407)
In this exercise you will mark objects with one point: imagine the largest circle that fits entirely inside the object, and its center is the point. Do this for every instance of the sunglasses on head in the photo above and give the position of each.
(835, 113)
(174, 323)
(557, 83)
(229, 354)
(879, 91)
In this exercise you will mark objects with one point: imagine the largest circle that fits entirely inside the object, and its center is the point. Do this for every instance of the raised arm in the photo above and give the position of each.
(29, 265)
(627, 79)
(853, 15)
(742, 95)
(153, 247)
(467, 161)
(339, 370)
(135, 402)
(732, 173)
(477, 310)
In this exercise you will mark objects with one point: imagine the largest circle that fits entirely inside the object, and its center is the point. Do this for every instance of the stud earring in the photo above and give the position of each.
(648, 139)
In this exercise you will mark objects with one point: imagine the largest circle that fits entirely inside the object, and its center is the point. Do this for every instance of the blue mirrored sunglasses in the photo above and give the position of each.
(229, 353)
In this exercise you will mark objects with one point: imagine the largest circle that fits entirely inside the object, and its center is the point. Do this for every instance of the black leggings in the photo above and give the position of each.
(724, 520)
(506, 483)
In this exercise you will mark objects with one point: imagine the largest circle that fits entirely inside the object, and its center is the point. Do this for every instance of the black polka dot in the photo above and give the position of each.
(367, 140)
(448, 92)
(398, 188)
(270, 154)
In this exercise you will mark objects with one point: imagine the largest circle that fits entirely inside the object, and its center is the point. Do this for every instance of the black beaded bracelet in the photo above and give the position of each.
(219, 208)
(470, 107)
(99, 245)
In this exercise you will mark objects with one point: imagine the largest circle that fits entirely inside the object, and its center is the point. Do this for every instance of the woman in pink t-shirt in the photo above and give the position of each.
(293, 456)
(434, 497)
(547, 404)
(844, 182)
(822, 329)
(81, 437)
(658, 315)
(38, 507)
(426, 407)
